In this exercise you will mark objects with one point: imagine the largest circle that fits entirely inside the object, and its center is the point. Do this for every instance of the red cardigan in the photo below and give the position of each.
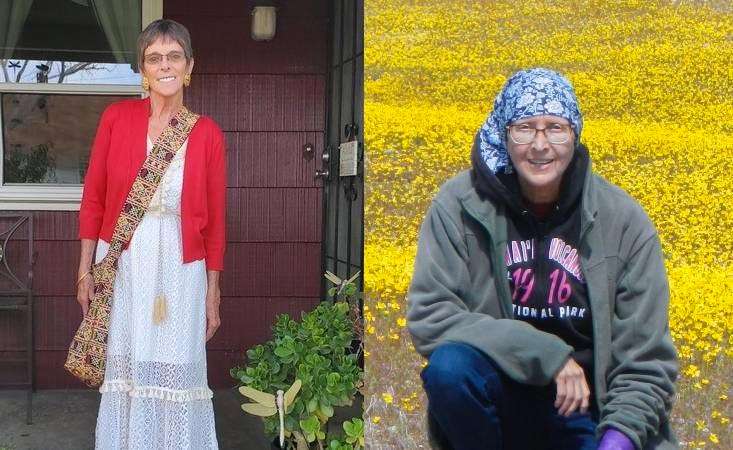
(118, 152)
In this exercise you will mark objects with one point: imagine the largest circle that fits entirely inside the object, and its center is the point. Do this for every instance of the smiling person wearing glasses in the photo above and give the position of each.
(539, 294)
(153, 207)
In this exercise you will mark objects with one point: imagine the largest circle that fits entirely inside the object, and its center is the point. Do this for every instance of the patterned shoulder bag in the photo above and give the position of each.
(88, 350)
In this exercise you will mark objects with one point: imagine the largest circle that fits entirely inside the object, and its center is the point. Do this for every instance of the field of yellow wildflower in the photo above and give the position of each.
(655, 83)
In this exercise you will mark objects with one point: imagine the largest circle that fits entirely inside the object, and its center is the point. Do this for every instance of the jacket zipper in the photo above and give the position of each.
(599, 391)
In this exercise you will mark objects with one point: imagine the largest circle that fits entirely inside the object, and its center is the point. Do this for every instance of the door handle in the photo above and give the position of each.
(324, 172)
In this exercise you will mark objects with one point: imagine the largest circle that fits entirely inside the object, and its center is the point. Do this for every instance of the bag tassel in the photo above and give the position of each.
(160, 309)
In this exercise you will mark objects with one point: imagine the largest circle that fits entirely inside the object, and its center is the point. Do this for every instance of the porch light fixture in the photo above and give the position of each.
(264, 19)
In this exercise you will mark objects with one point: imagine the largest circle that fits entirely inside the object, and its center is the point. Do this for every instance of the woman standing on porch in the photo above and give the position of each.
(165, 307)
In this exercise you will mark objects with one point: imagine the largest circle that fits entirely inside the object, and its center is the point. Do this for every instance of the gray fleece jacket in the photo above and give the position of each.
(459, 292)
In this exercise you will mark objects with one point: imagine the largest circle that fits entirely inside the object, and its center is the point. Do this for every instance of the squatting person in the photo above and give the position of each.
(539, 294)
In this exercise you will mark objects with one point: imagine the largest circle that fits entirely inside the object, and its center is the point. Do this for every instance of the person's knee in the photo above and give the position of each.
(455, 370)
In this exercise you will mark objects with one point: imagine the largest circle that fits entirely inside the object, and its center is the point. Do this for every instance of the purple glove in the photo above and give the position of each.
(615, 440)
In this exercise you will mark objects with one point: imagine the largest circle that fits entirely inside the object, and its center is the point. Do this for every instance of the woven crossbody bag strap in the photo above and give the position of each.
(88, 349)
(147, 181)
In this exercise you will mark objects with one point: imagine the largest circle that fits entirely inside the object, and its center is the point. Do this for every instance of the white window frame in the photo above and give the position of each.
(56, 197)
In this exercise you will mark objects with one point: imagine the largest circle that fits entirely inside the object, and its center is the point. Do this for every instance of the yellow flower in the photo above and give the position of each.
(713, 438)
(407, 404)
(376, 419)
(387, 398)
(402, 322)
(723, 397)
(692, 371)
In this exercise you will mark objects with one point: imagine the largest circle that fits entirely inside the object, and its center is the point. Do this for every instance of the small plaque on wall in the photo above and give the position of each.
(348, 160)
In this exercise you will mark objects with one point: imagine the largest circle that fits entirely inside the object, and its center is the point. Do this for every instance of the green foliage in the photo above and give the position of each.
(318, 351)
(338, 445)
(312, 429)
(29, 167)
(348, 291)
(354, 438)
(354, 430)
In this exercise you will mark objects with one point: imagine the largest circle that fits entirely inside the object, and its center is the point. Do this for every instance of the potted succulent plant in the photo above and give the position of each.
(308, 368)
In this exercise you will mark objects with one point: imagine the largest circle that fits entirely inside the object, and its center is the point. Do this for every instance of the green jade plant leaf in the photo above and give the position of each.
(354, 429)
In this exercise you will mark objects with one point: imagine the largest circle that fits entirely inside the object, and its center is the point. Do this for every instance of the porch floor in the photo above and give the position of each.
(65, 419)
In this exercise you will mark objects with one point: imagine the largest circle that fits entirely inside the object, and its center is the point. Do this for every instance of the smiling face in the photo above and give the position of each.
(540, 165)
(166, 74)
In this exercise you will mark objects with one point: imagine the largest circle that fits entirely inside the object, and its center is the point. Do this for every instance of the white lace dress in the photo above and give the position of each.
(155, 393)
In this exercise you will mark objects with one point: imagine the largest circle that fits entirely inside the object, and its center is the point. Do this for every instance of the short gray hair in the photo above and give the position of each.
(165, 28)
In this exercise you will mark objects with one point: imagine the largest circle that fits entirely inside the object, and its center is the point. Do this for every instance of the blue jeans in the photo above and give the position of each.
(472, 405)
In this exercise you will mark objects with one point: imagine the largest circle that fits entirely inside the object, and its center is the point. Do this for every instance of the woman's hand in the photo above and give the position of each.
(85, 286)
(572, 389)
(85, 291)
(213, 299)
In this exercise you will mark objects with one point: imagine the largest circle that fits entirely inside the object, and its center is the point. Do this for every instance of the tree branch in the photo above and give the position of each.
(61, 73)
(20, 72)
(5, 70)
(75, 68)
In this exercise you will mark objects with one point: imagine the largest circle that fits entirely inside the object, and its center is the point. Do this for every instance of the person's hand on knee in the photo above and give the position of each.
(572, 389)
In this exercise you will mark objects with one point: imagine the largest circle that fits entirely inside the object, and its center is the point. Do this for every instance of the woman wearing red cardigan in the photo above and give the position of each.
(165, 306)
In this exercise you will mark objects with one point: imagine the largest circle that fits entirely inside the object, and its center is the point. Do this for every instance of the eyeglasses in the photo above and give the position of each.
(173, 57)
(556, 133)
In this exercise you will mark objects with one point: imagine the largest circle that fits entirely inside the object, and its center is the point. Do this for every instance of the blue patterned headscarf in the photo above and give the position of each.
(527, 93)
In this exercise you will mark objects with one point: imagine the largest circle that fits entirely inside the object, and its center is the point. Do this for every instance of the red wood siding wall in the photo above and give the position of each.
(269, 98)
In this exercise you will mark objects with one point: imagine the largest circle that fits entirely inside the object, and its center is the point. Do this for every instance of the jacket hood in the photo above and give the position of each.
(504, 188)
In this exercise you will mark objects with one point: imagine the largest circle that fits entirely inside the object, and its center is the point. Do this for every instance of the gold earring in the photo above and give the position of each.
(187, 80)
(146, 84)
